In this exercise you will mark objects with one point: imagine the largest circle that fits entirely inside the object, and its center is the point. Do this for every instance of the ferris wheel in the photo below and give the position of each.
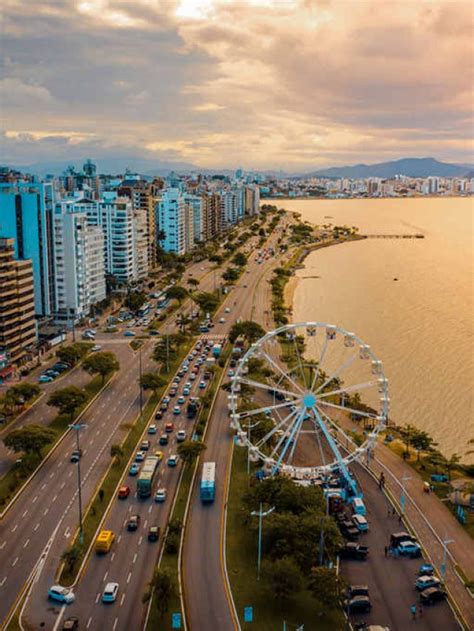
(307, 400)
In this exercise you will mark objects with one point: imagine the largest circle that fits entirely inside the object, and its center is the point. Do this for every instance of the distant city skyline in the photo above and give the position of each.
(283, 84)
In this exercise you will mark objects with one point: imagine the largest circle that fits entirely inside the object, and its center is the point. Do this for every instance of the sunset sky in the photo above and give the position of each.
(285, 84)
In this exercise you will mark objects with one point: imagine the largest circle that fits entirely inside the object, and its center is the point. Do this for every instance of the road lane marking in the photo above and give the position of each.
(115, 624)
(67, 532)
(26, 543)
(14, 528)
(24, 514)
(3, 581)
(145, 524)
(105, 576)
(97, 598)
(62, 485)
(150, 508)
(122, 599)
(129, 577)
(51, 475)
(43, 486)
(119, 538)
(69, 474)
(89, 622)
(46, 511)
(36, 527)
(15, 562)
(134, 557)
(112, 556)
(3, 545)
(55, 498)
(140, 540)
(34, 499)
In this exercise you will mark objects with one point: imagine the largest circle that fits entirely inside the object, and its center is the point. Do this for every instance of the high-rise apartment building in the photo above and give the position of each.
(211, 215)
(252, 200)
(143, 196)
(26, 215)
(172, 221)
(196, 203)
(17, 310)
(80, 268)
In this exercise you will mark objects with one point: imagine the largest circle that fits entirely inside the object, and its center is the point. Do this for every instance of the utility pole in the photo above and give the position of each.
(140, 378)
(402, 496)
(167, 353)
(260, 514)
(321, 541)
(77, 428)
(445, 551)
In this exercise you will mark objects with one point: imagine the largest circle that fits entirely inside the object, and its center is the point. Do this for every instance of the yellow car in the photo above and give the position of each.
(159, 454)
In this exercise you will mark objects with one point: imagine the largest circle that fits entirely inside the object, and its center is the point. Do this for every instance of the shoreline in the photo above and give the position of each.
(265, 200)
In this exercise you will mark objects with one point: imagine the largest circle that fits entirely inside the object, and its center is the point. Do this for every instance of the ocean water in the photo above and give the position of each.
(420, 326)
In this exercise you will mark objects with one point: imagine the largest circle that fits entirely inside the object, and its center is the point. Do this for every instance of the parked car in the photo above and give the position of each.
(109, 595)
(161, 495)
(432, 595)
(360, 522)
(352, 550)
(129, 334)
(44, 379)
(61, 594)
(399, 537)
(423, 582)
(123, 492)
(357, 590)
(409, 549)
(358, 604)
(96, 347)
(425, 569)
(154, 533)
(133, 523)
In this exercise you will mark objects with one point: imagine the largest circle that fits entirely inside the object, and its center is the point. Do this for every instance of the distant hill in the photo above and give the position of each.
(412, 167)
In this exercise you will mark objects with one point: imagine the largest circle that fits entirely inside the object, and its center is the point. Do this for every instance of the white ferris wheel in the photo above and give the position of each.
(307, 400)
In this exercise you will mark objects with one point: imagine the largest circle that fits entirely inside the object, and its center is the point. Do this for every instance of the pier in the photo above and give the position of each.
(394, 236)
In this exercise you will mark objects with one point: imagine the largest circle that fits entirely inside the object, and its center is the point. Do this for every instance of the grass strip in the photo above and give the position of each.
(21, 471)
(241, 552)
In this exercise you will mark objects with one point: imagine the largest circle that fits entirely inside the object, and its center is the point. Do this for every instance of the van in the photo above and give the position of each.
(360, 522)
(104, 541)
(358, 506)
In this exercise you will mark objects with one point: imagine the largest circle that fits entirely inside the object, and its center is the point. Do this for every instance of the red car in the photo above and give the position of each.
(169, 427)
(123, 492)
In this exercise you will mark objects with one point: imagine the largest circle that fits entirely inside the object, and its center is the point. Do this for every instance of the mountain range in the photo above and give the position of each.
(413, 167)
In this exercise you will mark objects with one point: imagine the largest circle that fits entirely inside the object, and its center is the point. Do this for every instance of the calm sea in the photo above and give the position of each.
(421, 326)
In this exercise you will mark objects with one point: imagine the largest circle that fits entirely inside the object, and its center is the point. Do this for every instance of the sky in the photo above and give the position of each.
(261, 84)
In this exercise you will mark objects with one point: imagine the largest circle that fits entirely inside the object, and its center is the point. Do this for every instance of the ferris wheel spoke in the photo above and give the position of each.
(337, 372)
(290, 438)
(339, 429)
(295, 441)
(357, 386)
(320, 361)
(303, 376)
(285, 375)
(246, 413)
(351, 410)
(265, 386)
(273, 431)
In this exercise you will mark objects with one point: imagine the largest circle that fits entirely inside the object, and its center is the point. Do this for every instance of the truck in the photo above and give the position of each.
(208, 482)
(216, 350)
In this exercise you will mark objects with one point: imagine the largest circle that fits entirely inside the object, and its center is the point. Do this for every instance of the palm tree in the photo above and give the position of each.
(451, 463)
(182, 321)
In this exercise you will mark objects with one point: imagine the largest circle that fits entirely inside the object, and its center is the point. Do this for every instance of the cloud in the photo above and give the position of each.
(262, 83)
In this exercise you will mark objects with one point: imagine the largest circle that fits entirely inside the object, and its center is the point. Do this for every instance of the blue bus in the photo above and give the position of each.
(208, 482)
(147, 475)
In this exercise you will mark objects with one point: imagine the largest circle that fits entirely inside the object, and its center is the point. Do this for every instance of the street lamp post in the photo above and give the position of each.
(249, 427)
(140, 378)
(402, 496)
(321, 542)
(445, 551)
(260, 514)
(77, 428)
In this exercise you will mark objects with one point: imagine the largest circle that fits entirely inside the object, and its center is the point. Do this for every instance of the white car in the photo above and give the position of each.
(110, 592)
(96, 347)
(160, 495)
(61, 594)
(181, 436)
(227, 309)
(221, 320)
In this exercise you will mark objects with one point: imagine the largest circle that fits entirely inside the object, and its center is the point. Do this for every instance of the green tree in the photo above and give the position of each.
(152, 381)
(67, 400)
(216, 258)
(71, 354)
(407, 432)
(164, 589)
(231, 274)
(135, 300)
(208, 302)
(325, 586)
(239, 259)
(71, 556)
(190, 450)
(30, 439)
(176, 292)
(116, 451)
(452, 462)
(101, 364)
(193, 282)
(24, 392)
(182, 321)
(249, 329)
(422, 441)
(283, 576)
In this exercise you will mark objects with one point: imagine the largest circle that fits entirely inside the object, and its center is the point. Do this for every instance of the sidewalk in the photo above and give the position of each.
(433, 523)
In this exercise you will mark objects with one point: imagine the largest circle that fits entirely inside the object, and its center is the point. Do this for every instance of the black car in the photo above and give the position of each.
(399, 537)
(358, 604)
(76, 455)
(352, 550)
(159, 415)
(164, 439)
(432, 595)
(154, 533)
(349, 531)
(133, 523)
(357, 590)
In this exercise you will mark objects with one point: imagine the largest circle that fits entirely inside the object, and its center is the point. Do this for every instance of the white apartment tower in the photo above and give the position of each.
(79, 261)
